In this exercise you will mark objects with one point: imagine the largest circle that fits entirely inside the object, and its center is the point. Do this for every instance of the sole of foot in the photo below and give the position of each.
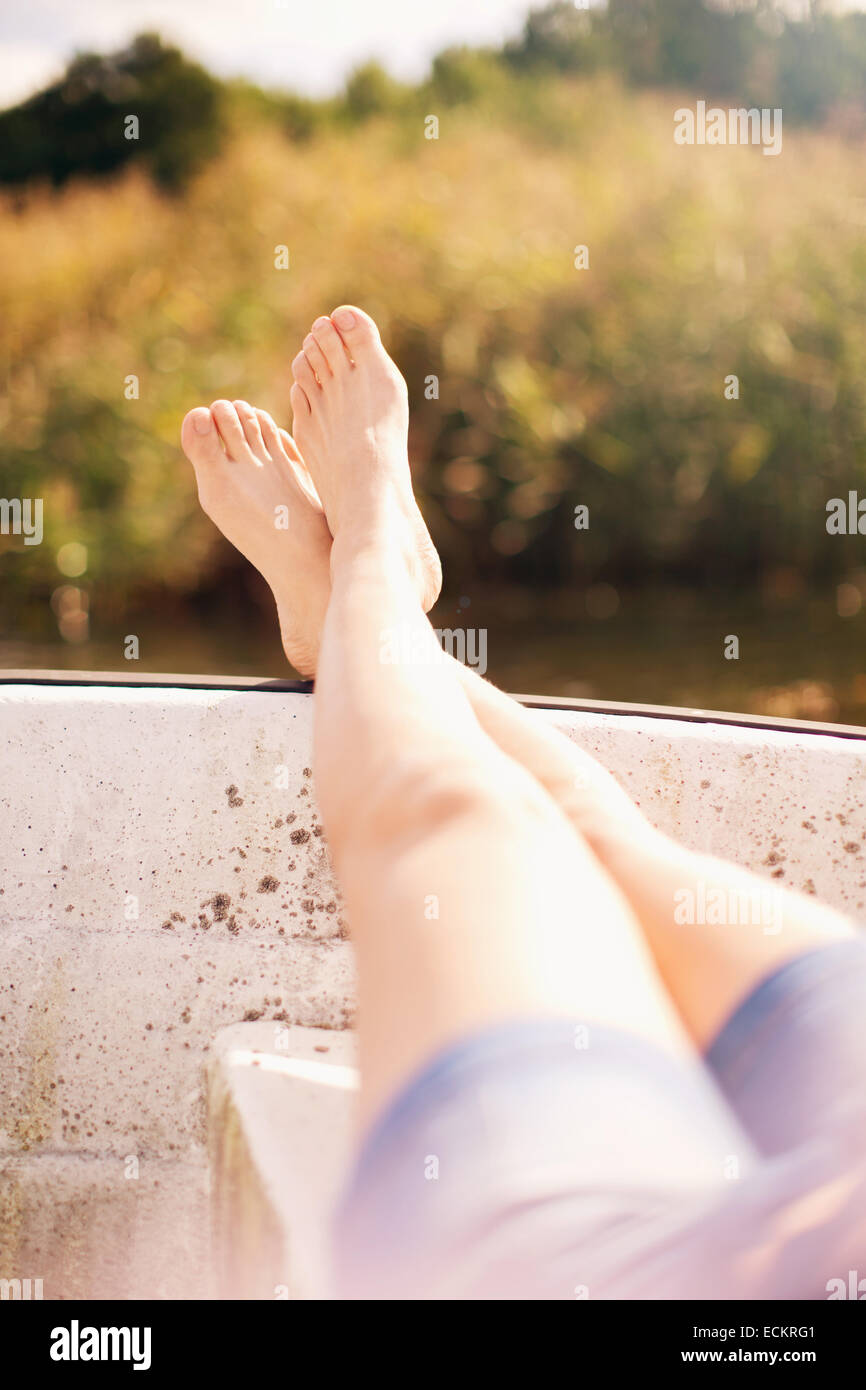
(253, 484)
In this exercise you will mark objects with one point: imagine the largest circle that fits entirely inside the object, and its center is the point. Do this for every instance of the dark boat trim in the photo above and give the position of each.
(551, 702)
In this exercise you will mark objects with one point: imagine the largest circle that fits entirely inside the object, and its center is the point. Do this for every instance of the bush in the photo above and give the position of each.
(370, 91)
(79, 125)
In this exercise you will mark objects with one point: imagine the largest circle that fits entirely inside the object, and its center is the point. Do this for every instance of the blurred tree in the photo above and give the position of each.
(821, 65)
(563, 37)
(370, 91)
(681, 41)
(756, 53)
(464, 74)
(80, 124)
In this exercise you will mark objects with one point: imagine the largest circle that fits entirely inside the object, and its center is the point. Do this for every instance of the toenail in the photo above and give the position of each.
(202, 423)
(344, 318)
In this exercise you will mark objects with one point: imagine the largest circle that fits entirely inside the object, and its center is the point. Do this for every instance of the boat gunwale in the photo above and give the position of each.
(267, 684)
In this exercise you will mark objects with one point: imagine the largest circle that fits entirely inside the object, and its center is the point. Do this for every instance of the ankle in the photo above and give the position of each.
(376, 538)
(369, 552)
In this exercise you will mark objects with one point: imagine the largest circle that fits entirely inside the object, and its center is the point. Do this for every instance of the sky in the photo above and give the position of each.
(304, 45)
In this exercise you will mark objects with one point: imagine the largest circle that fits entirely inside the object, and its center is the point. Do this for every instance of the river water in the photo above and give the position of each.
(796, 660)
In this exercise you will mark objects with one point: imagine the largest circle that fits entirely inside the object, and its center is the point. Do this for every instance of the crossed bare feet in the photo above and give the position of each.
(281, 505)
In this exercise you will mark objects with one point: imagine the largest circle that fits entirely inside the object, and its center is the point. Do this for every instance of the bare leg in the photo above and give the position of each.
(479, 851)
(470, 898)
(708, 967)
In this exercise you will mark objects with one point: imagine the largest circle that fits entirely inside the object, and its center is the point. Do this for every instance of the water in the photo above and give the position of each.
(796, 660)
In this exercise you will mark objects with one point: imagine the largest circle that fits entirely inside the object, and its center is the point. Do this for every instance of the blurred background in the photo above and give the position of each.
(282, 124)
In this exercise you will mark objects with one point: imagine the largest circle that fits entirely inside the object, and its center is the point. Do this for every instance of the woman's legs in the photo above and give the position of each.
(708, 967)
(471, 899)
(474, 902)
(790, 1060)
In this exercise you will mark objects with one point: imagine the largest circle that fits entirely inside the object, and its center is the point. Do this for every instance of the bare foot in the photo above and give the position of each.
(254, 486)
(351, 421)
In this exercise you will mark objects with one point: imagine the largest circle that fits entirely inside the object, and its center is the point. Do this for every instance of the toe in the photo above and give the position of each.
(304, 376)
(291, 448)
(283, 447)
(285, 452)
(317, 359)
(330, 343)
(302, 474)
(270, 433)
(229, 426)
(252, 431)
(299, 401)
(199, 438)
(278, 441)
(357, 329)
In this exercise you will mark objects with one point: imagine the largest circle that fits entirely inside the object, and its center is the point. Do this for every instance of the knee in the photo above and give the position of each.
(424, 797)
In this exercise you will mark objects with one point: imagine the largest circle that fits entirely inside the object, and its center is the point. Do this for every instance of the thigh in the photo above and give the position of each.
(478, 904)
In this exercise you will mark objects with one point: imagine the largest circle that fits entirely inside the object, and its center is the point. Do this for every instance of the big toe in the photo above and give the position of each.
(199, 438)
(356, 328)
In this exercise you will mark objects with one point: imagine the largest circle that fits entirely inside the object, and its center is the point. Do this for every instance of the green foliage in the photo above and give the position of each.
(77, 126)
(562, 37)
(370, 91)
(814, 69)
(810, 68)
(461, 75)
(557, 387)
(300, 117)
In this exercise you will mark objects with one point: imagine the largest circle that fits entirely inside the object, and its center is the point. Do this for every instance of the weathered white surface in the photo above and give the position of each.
(109, 795)
(98, 1227)
(790, 806)
(177, 798)
(282, 1109)
(106, 1019)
